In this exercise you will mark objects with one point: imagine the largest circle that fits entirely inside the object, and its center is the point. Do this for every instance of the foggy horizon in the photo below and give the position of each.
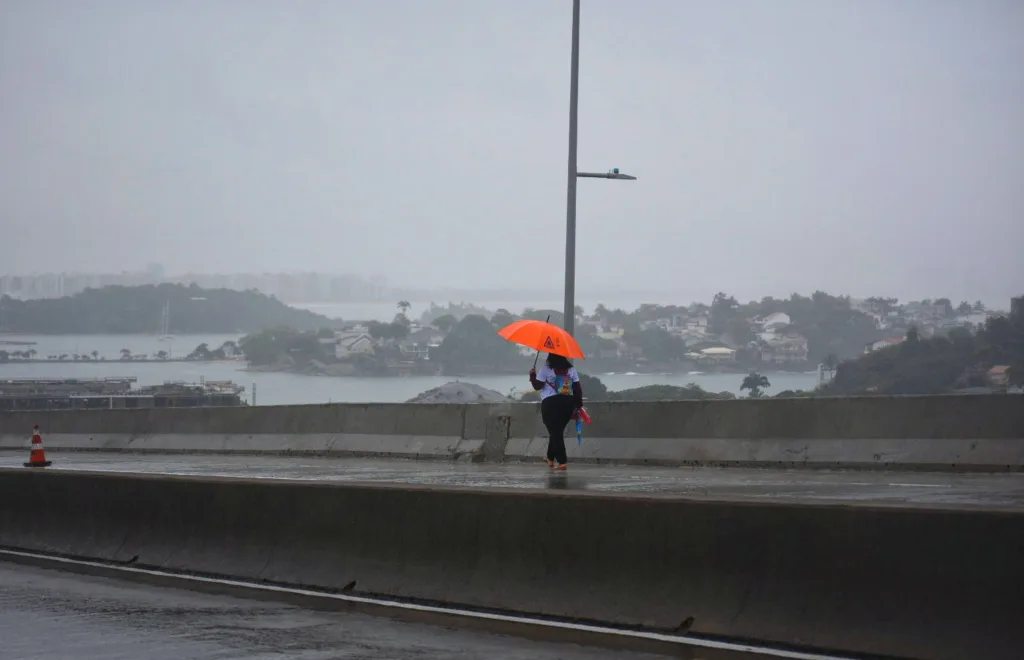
(860, 148)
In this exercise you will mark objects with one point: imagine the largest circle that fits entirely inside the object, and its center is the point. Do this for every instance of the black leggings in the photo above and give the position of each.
(556, 411)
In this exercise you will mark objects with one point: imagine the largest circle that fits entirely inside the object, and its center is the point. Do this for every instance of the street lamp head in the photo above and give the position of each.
(610, 174)
(616, 174)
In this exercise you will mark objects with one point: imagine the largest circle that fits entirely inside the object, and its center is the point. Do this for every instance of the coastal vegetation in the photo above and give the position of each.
(876, 345)
(756, 384)
(957, 355)
(991, 357)
(595, 390)
(275, 345)
(143, 309)
(473, 346)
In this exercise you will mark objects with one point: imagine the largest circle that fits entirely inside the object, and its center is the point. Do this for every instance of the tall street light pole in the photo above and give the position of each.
(569, 309)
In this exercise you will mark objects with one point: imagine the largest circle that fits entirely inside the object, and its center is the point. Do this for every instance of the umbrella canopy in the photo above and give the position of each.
(541, 336)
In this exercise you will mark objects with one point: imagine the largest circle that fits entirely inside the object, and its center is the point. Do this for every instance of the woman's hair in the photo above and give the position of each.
(556, 361)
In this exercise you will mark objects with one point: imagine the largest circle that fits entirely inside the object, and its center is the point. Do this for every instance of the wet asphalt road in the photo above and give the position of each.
(983, 490)
(51, 615)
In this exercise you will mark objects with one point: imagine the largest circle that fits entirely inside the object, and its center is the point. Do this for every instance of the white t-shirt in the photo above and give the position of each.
(556, 384)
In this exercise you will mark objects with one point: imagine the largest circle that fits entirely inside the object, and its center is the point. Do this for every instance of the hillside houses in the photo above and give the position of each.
(785, 348)
(420, 341)
(777, 342)
(930, 317)
(691, 329)
(713, 355)
(349, 343)
(356, 340)
(795, 339)
(769, 326)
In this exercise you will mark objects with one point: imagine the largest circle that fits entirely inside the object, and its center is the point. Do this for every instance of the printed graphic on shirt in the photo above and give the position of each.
(562, 384)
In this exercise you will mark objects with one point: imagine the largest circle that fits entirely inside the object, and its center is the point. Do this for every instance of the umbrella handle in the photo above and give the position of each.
(537, 356)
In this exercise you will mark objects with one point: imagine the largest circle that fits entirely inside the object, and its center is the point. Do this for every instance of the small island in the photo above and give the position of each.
(154, 309)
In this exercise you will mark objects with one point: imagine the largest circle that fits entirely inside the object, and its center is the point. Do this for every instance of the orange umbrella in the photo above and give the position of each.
(541, 336)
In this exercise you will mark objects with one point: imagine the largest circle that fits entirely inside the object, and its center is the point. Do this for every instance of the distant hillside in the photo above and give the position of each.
(961, 360)
(140, 310)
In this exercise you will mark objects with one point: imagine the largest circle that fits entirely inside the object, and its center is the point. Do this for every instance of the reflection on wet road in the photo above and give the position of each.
(852, 486)
(49, 615)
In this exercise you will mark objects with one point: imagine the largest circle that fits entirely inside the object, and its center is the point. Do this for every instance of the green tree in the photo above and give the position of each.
(723, 310)
(404, 306)
(960, 334)
(947, 306)
(473, 345)
(936, 365)
(756, 383)
(739, 330)
(126, 354)
(394, 331)
(95, 355)
(964, 308)
(162, 355)
(398, 330)
(620, 318)
(830, 324)
(445, 323)
(794, 394)
(591, 344)
(593, 388)
(883, 306)
(200, 352)
(656, 344)
(502, 318)
(279, 345)
(378, 330)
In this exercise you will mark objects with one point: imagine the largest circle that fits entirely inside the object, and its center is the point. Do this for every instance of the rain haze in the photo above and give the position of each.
(866, 147)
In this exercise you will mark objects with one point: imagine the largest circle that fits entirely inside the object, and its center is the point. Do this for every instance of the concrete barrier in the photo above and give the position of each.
(384, 430)
(932, 433)
(933, 584)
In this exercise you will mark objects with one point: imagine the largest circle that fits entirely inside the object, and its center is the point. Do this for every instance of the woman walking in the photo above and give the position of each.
(561, 394)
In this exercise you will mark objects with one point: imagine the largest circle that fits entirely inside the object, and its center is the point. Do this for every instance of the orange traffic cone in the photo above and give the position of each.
(37, 458)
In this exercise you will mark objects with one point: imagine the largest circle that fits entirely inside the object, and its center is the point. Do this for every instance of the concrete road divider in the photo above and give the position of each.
(931, 433)
(933, 584)
(382, 430)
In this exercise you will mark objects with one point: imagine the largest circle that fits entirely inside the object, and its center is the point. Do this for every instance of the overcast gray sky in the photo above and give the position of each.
(859, 146)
